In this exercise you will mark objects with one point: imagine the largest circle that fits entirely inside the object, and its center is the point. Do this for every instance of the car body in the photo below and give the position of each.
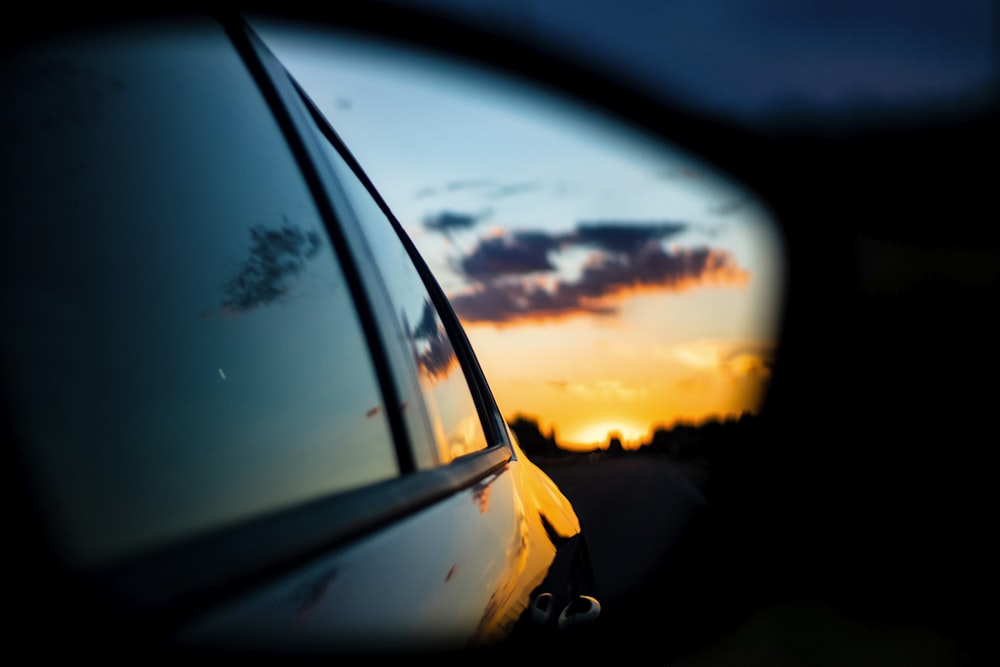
(239, 412)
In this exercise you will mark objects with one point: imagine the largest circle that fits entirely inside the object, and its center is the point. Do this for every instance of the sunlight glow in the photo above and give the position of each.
(598, 434)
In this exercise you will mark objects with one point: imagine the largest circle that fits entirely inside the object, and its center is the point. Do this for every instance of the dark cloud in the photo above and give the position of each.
(627, 257)
(446, 222)
(427, 327)
(276, 256)
(607, 278)
(624, 237)
(653, 267)
(524, 252)
(515, 254)
(509, 302)
(435, 356)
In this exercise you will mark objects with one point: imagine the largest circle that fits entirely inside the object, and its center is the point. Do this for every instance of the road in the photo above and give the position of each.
(679, 585)
(635, 511)
(653, 551)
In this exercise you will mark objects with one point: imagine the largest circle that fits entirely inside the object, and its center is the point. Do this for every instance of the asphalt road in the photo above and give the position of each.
(655, 555)
(635, 512)
(681, 584)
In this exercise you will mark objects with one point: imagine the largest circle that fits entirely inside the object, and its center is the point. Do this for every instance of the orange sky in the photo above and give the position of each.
(587, 376)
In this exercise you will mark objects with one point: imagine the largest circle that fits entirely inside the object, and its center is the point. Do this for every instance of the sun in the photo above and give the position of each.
(598, 433)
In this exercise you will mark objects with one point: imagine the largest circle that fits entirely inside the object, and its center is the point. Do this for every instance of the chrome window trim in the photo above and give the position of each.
(276, 87)
(494, 425)
(295, 98)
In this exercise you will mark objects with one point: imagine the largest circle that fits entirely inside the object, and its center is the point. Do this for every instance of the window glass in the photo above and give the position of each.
(455, 421)
(179, 342)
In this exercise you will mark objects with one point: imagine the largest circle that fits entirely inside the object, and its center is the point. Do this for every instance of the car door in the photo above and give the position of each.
(240, 408)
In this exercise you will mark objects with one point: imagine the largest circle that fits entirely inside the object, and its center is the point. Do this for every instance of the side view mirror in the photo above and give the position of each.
(187, 267)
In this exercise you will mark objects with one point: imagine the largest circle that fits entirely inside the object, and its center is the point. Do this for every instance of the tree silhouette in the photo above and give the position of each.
(615, 447)
(532, 441)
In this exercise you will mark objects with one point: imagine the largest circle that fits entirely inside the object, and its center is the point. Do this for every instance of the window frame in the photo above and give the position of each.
(490, 419)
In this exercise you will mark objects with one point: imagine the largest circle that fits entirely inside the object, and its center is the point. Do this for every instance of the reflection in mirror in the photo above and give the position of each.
(608, 282)
(455, 427)
(435, 355)
(276, 255)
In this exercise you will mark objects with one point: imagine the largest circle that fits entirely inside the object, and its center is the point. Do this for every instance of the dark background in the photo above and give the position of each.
(857, 524)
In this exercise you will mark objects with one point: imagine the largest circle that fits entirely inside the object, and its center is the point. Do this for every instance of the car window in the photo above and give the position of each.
(455, 422)
(181, 347)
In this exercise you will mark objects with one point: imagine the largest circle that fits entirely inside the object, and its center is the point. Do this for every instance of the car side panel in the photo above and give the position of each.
(459, 572)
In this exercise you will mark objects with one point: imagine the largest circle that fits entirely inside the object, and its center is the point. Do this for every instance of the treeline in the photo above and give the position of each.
(723, 457)
(682, 442)
(715, 450)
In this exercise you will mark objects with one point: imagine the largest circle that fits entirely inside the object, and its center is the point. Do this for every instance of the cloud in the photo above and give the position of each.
(630, 261)
(653, 267)
(523, 252)
(511, 189)
(434, 354)
(623, 236)
(488, 188)
(736, 358)
(276, 256)
(749, 365)
(467, 184)
(607, 390)
(446, 222)
(730, 206)
(509, 302)
(749, 359)
(509, 254)
(600, 390)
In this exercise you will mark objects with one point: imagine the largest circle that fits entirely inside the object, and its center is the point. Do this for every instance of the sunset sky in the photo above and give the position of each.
(607, 283)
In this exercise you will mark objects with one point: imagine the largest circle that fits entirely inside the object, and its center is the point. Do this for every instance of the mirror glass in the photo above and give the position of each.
(609, 283)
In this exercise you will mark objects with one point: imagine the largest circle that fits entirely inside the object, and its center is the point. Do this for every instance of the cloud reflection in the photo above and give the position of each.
(277, 254)
(434, 354)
